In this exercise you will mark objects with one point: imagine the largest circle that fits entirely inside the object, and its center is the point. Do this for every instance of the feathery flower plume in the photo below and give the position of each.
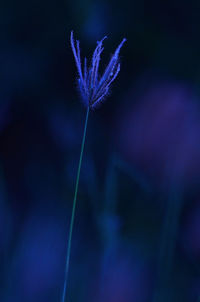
(94, 87)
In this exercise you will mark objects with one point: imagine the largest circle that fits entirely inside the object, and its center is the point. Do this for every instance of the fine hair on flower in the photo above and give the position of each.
(93, 87)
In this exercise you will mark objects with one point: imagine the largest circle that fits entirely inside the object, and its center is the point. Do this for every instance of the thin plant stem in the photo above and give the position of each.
(74, 208)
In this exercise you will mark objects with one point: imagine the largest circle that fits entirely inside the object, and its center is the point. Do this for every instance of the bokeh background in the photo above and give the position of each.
(137, 226)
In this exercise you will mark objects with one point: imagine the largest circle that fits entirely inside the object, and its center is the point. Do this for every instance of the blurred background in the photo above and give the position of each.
(137, 227)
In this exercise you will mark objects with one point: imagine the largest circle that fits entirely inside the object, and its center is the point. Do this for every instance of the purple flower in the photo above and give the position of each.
(94, 87)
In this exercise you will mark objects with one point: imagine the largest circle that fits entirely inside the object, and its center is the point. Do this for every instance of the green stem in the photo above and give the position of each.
(74, 208)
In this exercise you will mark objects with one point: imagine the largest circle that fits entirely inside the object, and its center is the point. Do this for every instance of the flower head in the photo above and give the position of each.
(93, 87)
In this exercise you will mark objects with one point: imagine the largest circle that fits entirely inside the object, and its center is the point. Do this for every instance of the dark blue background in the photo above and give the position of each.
(137, 226)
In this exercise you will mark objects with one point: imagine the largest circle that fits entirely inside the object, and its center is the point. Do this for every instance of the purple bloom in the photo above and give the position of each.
(94, 88)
